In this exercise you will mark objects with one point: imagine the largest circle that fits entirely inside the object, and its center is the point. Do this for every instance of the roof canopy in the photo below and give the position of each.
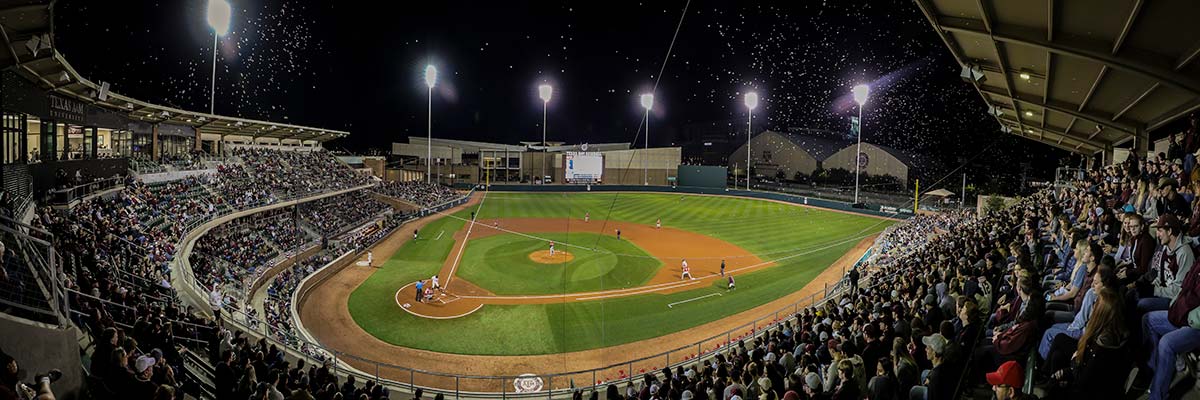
(27, 30)
(1080, 75)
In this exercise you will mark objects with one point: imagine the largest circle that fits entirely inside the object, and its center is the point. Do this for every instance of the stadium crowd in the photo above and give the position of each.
(116, 253)
(424, 194)
(336, 214)
(1088, 287)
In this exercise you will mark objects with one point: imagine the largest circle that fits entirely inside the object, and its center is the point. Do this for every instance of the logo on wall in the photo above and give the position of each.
(528, 383)
(583, 147)
(863, 160)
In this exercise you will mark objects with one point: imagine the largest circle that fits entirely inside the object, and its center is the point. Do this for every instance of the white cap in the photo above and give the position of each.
(143, 363)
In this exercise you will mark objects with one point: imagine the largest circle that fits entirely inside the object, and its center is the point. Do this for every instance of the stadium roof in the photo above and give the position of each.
(27, 28)
(1081, 76)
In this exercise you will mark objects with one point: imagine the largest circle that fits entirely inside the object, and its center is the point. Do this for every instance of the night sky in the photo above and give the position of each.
(343, 65)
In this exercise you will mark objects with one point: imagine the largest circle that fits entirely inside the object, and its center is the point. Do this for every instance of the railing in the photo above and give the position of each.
(69, 195)
(47, 300)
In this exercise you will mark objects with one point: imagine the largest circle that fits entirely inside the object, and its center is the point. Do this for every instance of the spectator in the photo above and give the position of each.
(12, 388)
(1006, 381)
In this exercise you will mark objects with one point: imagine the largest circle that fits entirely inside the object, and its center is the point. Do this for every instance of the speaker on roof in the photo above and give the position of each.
(972, 73)
(103, 96)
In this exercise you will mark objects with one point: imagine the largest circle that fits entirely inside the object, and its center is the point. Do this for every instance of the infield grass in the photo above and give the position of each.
(501, 264)
(801, 241)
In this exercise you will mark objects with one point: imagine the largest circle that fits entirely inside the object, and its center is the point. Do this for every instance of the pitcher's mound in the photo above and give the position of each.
(544, 257)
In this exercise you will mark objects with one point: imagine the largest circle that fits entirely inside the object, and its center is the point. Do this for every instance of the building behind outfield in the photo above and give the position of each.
(809, 151)
(465, 161)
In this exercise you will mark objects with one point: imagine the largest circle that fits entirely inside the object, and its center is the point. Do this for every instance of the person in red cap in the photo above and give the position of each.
(1006, 381)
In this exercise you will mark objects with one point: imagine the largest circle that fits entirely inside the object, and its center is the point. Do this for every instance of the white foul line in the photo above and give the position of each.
(458, 257)
(672, 305)
(439, 235)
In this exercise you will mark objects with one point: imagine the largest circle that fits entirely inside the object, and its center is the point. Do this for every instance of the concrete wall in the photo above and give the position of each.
(783, 155)
(879, 162)
(39, 347)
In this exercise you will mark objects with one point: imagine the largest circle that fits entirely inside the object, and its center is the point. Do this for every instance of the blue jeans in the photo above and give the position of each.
(1148, 304)
(1051, 332)
(1169, 341)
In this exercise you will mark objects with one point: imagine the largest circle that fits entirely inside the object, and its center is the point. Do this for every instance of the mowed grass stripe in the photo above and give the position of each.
(769, 229)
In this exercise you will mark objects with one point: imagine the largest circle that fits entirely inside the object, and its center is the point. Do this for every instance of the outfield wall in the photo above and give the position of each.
(787, 198)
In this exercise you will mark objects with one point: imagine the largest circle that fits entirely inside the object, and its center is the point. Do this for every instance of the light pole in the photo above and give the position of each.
(219, 13)
(647, 103)
(860, 97)
(751, 103)
(544, 92)
(430, 80)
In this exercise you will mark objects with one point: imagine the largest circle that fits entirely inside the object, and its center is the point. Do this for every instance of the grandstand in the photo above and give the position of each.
(201, 267)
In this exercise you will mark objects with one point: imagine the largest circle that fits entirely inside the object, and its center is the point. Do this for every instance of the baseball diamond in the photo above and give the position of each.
(612, 295)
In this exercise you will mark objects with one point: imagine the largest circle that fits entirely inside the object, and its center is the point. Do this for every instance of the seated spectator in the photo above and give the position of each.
(1007, 380)
(1170, 265)
(11, 386)
(1173, 332)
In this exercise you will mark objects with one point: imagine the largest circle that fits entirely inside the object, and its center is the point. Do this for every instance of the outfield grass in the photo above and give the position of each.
(803, 242)
(501, 264)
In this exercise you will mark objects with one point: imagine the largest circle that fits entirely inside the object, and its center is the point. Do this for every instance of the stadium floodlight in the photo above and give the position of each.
(219, 15)
(430, 75)
(751, 103)
(647, 103)
(430, 80)
(751, 100)
(860, 96)
(544, 92)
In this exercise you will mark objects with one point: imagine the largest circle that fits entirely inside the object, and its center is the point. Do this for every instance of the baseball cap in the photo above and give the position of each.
(937, 342)
(1168, 181)
(1168, 221)
(764, 382)
(813, 381)
(1010, 373)
(687, 395)
(143, 363)
(1129, 209)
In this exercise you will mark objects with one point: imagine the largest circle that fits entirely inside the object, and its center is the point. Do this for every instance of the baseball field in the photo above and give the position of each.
(505, 296)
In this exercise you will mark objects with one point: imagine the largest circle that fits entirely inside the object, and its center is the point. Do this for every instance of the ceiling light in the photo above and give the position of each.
(1025, 75)
(1029, 113)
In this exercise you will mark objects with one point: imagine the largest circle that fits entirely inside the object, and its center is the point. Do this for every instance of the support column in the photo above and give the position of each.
(1141, 143)
(94, 149)
(154, 145)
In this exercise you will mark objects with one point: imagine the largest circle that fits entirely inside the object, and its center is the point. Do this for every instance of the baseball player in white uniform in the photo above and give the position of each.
(551, 249)
(587, 216)
(658, 224)
(433, 282)
(687, 272)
